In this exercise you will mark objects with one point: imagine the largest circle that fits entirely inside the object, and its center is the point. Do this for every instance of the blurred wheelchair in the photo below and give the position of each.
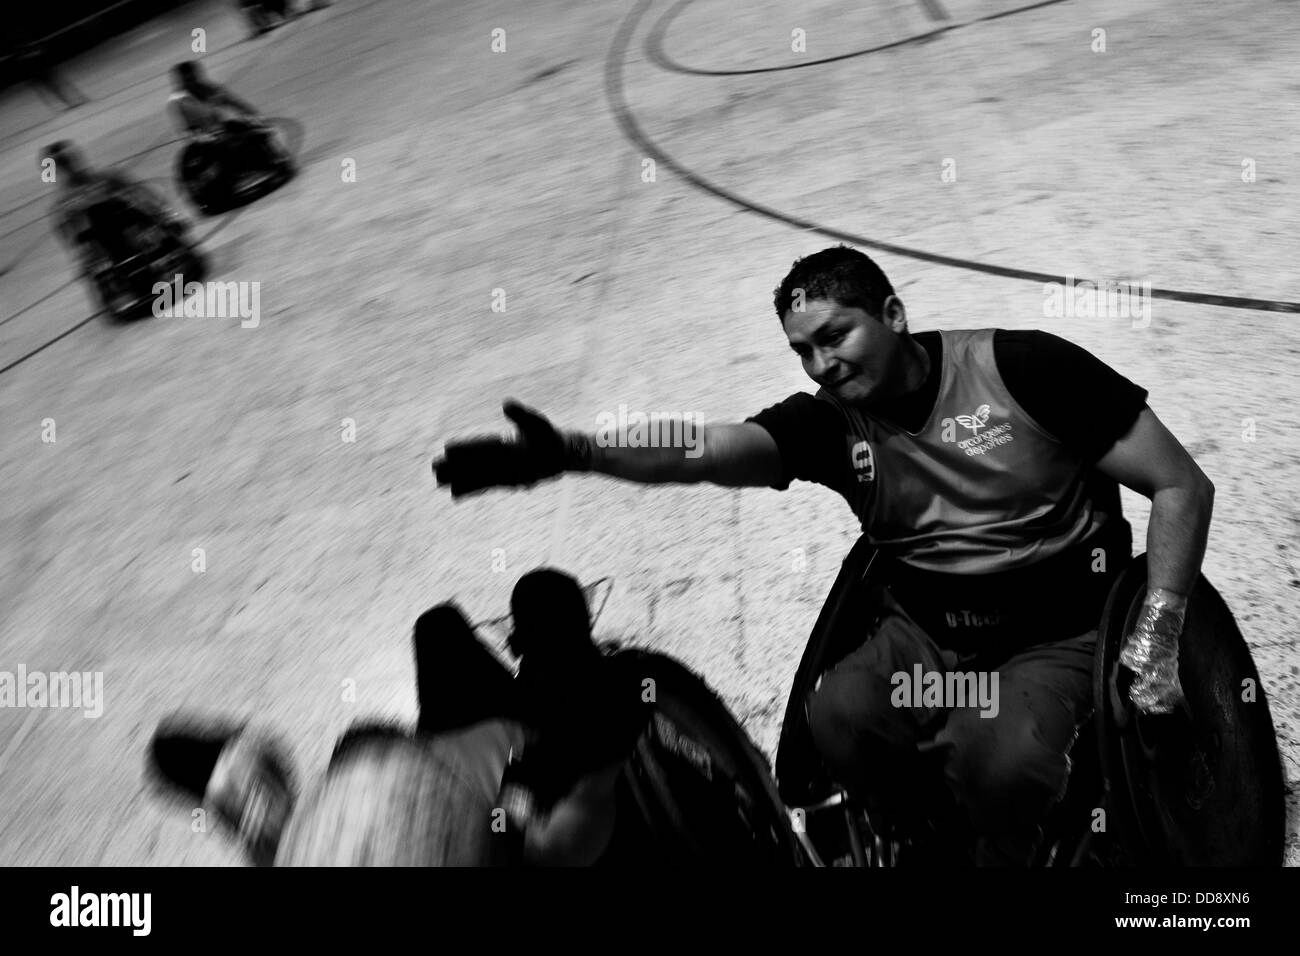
(693, 789)
(264, 15)
(1199, 787)
(245, 162)
(123, 252)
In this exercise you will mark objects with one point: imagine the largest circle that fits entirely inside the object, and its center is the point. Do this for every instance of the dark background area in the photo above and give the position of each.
(40, 35)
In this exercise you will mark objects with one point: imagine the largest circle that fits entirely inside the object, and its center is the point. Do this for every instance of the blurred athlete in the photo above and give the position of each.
(95, 212)
(210, 113)
(389, 797)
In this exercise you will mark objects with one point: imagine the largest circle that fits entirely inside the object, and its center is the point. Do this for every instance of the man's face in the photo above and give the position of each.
(855, 357)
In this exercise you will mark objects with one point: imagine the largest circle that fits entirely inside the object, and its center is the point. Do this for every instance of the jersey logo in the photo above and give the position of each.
(977, 421)
(980, 442)
(864, 464)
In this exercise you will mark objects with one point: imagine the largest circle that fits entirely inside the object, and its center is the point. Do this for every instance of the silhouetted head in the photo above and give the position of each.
(560, 669)
(551, 620)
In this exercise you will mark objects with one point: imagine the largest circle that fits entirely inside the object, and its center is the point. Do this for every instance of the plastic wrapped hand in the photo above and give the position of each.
(1151, 652)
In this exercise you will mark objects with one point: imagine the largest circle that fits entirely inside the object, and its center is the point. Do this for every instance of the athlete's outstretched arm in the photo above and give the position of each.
(737, 455)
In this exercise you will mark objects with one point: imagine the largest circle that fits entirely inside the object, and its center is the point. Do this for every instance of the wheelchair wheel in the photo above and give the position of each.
(1202, 786)
(1075, 834)
(703, 787)
(281, 159)
(839, 630)
(272, 160)
(114, 292)
(200, 172)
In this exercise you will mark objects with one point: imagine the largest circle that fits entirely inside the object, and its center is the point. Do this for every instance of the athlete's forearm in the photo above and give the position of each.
(1176, 536)
(644, 465)
(734, 456)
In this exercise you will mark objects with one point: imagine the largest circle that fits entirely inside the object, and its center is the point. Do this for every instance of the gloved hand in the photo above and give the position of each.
(541, 452)
(1151, 652)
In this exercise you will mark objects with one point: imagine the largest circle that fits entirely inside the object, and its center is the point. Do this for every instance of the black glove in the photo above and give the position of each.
(477, 463)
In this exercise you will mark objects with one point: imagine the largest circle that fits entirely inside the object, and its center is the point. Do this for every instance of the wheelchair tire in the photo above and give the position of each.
(113, 298)
(1202, 786)
(198, 184)
(703, 787)
(801, 778)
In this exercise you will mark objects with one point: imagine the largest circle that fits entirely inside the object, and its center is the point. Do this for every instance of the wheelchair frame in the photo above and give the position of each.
(124, 285)
(232, 187)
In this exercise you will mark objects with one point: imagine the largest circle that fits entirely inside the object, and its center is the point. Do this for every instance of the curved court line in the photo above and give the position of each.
(623, 115)
(658, 33)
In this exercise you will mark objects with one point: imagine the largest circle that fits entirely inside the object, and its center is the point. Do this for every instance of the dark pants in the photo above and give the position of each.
(1004, 772)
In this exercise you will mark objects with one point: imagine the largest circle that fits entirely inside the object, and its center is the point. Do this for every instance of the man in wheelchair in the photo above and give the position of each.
(984, 465)
(104, 214)
(228, 137)
(124, 235)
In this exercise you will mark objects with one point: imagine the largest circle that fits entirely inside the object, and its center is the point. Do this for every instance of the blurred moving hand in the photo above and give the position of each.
(540, 452)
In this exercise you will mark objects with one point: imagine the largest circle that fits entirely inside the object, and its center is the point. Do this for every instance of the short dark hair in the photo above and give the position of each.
(845, 275)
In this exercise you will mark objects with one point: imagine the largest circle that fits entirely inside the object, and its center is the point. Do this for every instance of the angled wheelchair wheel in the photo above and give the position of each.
(1076, 834)
(256, 163)
(1201, 786)
(199, 170)
(840, 628)
(703, 787)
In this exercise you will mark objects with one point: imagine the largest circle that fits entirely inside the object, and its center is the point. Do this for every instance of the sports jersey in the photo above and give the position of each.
(979, 485)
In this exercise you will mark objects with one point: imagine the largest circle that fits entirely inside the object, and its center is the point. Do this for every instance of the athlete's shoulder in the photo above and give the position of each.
(797, 402)
(799, 414)
(1035, 340)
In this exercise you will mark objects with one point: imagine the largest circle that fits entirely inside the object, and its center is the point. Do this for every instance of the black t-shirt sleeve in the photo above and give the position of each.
(1079, 399)
(808, 433)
